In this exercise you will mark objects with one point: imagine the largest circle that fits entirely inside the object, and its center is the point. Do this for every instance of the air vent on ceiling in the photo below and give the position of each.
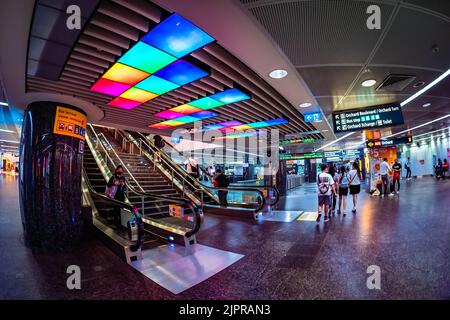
(395, 82)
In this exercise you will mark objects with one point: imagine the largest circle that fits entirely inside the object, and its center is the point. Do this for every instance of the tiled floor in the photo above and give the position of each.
(407, 236)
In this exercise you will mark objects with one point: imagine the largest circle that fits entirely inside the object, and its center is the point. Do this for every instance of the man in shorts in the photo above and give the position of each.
(325, 184)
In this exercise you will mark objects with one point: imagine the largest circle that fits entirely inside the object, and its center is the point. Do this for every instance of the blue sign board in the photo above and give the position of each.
(313, 116)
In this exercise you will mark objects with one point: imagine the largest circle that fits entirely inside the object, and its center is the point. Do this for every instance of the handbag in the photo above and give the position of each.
(110, 192)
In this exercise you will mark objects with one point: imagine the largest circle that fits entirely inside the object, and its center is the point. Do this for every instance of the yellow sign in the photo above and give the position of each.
(69, 122)
(176, 211)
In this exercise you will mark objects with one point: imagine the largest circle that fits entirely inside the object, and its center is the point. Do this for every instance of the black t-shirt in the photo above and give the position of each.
(159, 141)
(222, 181)
(397, 167)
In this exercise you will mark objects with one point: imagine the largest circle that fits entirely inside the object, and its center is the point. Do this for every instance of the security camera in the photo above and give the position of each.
(435, 49)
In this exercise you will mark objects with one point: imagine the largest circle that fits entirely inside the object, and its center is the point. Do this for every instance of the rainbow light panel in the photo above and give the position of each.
(152, 66)
(239, 126)
(200, 108)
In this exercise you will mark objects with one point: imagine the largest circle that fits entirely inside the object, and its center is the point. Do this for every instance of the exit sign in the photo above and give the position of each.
(313, 116)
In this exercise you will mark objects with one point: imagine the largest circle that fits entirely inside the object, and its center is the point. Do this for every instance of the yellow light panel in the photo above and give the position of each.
(138, 95)
(242, 127)
(186, 109)
(125, 74)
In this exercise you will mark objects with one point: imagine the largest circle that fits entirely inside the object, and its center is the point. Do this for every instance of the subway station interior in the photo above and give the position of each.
(224, 149)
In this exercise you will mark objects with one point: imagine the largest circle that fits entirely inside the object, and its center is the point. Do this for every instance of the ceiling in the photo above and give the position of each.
(114, 27)
(332, 49)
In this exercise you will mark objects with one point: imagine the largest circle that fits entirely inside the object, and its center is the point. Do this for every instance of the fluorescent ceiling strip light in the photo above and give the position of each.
(333, 142)
(416, 127)
(3, 104)
(4, 130)
(11, 141)
(430, 132)
(433, 83)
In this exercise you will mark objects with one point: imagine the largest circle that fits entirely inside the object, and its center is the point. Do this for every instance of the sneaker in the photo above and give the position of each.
(354, 210)
(390, 195)
(398, 191)
(318, 218)
(345, 214)
(326, 219)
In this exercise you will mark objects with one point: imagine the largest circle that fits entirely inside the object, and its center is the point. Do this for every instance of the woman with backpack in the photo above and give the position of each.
(354, 181)
(343, 189)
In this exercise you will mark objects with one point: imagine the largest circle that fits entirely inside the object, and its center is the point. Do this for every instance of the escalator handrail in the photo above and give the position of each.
(183, 175)
(114, 202)
(276, 191)
(198, 213)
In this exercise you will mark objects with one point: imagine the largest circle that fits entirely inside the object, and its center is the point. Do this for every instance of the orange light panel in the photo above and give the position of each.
(186, 109)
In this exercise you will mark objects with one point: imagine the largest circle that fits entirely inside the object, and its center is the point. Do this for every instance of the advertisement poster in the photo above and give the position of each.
(69, 122)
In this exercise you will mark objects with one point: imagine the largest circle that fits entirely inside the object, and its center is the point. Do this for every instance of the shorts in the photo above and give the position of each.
(324, 200)
(343, 191)
(355, 189)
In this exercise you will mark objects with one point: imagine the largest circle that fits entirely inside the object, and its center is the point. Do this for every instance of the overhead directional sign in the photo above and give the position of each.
(368, 118)
(313, 116)
(388, 142)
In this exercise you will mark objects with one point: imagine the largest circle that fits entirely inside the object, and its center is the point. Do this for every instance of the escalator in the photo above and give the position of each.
(166, 216)
(203, 195)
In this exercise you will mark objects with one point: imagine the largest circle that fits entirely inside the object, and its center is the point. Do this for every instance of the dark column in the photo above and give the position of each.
(281, 178)
(50, 180)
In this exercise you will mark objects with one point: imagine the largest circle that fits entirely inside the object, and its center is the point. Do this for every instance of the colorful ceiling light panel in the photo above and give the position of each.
(237, 125)
(169, 114)
(138, 95)
(181, 72)
(124, 103)
(152, 66)
(177, 36)
(199, 108)
(157, 85)
(213, 127)
(109, 87)
(125, 74)
(230, 96)
(186, 109)
(147, 58)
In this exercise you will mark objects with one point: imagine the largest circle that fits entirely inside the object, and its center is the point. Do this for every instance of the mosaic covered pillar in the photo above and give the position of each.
(50, 175)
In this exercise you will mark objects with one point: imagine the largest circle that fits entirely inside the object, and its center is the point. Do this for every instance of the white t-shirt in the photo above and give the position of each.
(327, 179)
(190, 163)
(353, 177)
(384, 168)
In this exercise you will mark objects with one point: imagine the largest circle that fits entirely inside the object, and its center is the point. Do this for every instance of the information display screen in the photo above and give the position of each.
(69, 122)
(368, 118)
(293, 156)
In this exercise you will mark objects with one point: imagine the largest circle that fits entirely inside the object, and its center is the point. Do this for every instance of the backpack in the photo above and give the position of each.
(324, 185)
(343, 182)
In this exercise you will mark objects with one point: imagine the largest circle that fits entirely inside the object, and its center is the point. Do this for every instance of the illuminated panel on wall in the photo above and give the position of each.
(145, 57)
(124, 103)
(181, 72)
(138, 95)
(177, 36)
(109, 87)
(125, 74)
(230, 96)
(156, 85)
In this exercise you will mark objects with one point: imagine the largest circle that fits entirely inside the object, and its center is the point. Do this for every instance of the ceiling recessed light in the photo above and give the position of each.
(305, 105)
(426, 105)
(368, 83)
(418, 84)
(278, 74)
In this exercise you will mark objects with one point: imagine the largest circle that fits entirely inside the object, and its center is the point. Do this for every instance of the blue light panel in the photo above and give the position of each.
(204, 114)
(177, 36)
(213, 127)
(181, 73)
(230, 96)
(187, 119)
(156, 85)
(276, 121)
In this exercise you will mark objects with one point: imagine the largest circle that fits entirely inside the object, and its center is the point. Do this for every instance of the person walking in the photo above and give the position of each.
(343, 185)
(384, 173)
(354, 178)
(326, 186)
(408, 169)
(333, 174)
(115, 189)
(397, 168)
(445, 167)
(221, 181)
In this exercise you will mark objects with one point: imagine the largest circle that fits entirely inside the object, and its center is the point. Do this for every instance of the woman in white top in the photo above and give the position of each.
(354, 179)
